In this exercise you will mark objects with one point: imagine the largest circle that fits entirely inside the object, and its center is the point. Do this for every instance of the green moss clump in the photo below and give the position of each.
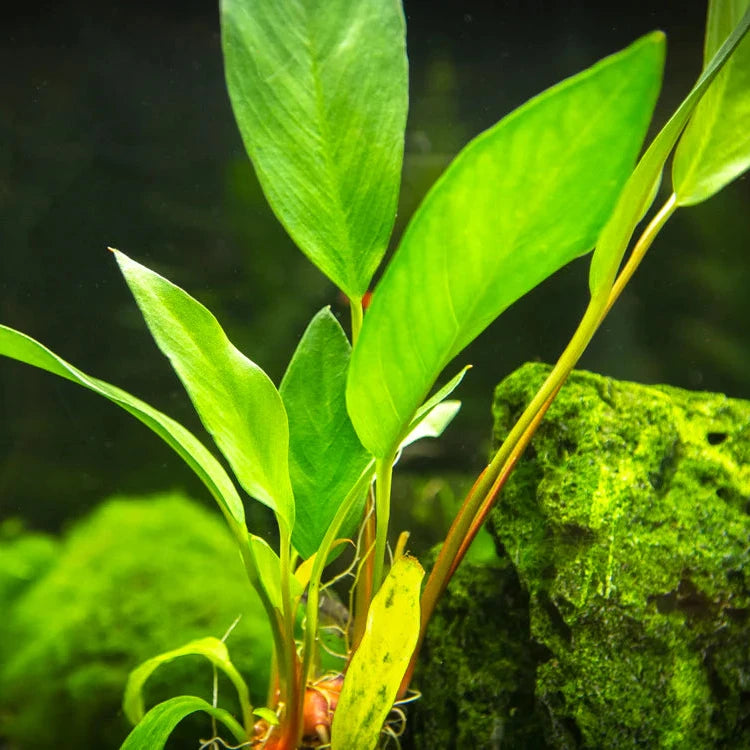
(24, 558)
(628, 525)
(476, 668)
(138, 577)
(618, 612)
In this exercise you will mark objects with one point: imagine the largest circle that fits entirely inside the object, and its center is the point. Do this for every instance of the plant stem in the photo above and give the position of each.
(640, 248)
(482, 495)
(383, 476)
(363, 592)
(313, 590)
(290, 688)
(272, 614)
(357, 316)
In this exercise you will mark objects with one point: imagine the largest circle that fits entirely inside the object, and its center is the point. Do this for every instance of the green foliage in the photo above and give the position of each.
(235, 399)
(325, 456)
(213, 649)
(519, 202)
(159, 723)
(128, 583)
(23, 348)
(319, 91)
(715, 147)
(24, 558)
(639, 190)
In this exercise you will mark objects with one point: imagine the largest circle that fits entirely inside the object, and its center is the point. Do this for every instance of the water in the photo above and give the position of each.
(117, 131)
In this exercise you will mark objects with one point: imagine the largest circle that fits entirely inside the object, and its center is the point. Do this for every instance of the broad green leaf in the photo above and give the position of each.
(23, 348)
(638, 191)
(268, 566)
(715, 147)
(319, 91)
(153, 732)
(520, 201)
(213, 649)
(236, 400)
(379, 664)
(433, 424)
(325, 456)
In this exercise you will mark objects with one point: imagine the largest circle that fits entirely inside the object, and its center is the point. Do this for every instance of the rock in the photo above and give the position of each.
(627, 524)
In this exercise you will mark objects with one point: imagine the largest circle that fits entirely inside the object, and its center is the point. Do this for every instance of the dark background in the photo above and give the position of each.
(115, 129)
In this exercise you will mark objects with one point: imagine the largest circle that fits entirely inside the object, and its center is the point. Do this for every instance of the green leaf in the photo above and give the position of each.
(236, 400)
(268, 715)
(213, 649)
(433, 424)
(153, 732)
(268, 566)
(715, 147)
(325, 456)
(637, 193)
(438, 397)
(519, 202)
(23, 348)
(375, 672)
(319, 91)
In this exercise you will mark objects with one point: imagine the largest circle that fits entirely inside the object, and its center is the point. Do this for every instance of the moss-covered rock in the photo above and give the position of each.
(627, 524)
(476, 668)
(138, 577)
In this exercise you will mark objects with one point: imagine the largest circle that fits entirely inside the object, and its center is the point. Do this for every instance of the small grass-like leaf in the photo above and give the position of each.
(212, 649)
(153, 731)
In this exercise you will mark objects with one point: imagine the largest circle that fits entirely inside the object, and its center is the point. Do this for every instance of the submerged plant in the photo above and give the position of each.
(319, 91)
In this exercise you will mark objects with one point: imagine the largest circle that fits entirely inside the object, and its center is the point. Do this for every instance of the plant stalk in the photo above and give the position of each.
(482, 495)
(383, 476)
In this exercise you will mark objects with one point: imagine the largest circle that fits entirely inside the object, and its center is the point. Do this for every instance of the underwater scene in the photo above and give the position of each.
(433, 321)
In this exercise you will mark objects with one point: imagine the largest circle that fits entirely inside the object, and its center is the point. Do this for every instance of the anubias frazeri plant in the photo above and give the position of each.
(319, 91)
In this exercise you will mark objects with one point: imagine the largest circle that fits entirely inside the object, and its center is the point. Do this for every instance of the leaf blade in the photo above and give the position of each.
(634, 199)
(236, 401)
(461, 262)
(326, 458)
(310, 84)
(212, 649)
(153, 732)
(23, 348)
(375, 672)
(715, 147)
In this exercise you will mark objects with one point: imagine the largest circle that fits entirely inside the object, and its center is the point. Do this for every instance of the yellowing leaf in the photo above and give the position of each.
(376, 669)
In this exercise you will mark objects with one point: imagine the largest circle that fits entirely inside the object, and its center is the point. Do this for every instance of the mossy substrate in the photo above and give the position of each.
(138, 577)
(618, 612)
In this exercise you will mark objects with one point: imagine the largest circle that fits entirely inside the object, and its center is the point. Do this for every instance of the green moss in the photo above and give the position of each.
(138, 577)
(24, 558)
(474, 696)
(628, 524)
(618, 612)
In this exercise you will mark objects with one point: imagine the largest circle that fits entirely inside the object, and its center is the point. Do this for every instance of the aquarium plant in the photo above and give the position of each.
(319, 92)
